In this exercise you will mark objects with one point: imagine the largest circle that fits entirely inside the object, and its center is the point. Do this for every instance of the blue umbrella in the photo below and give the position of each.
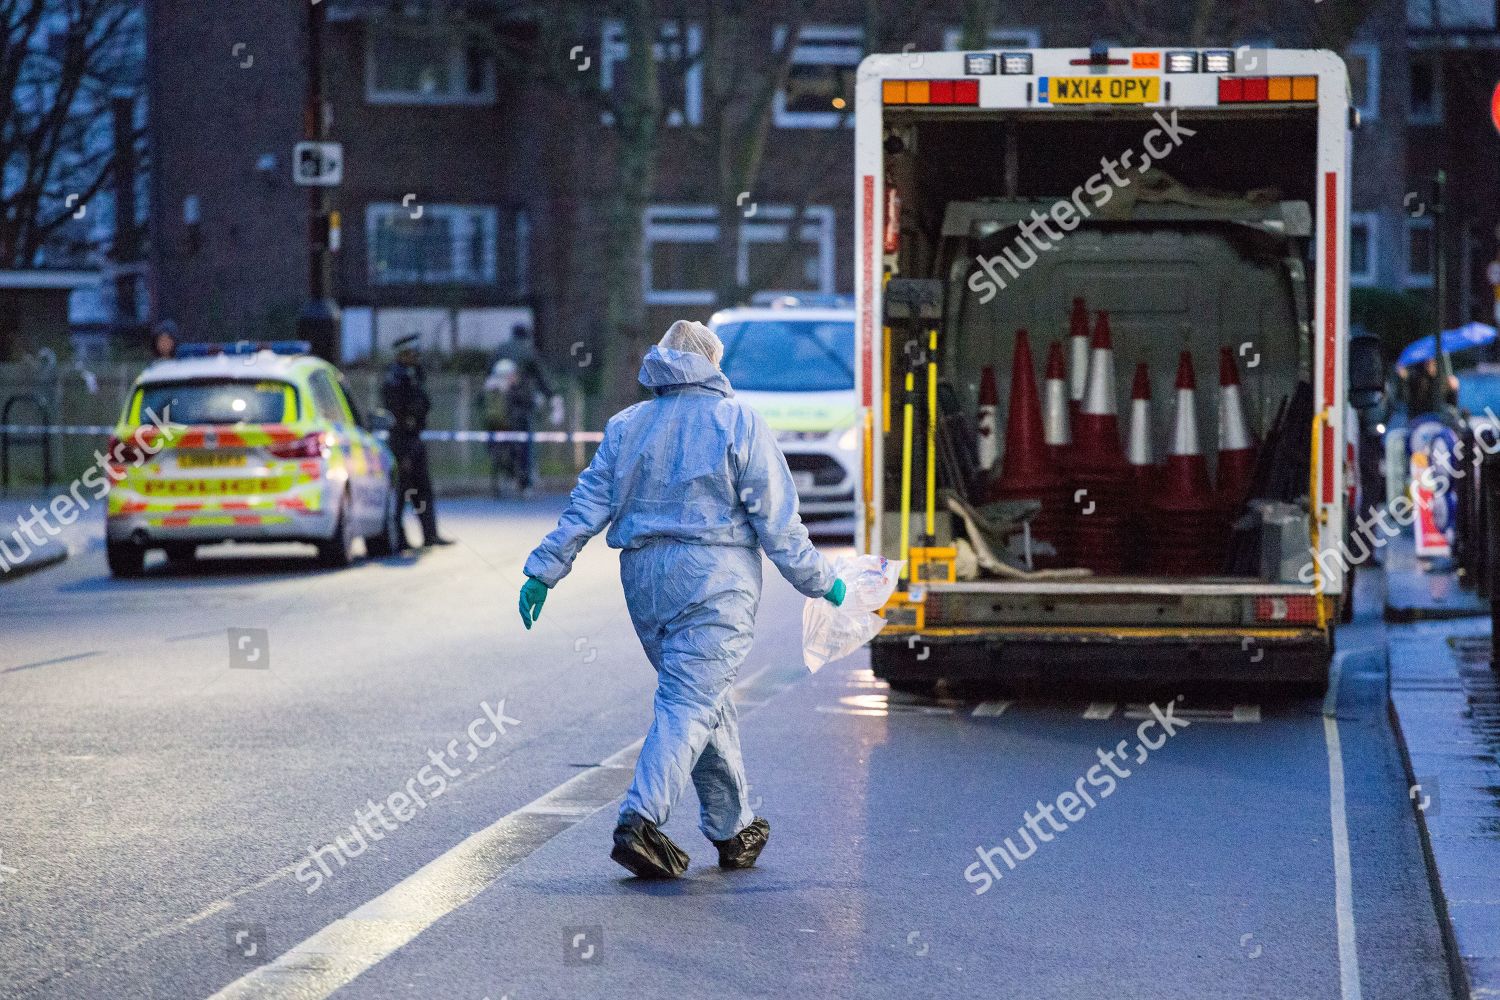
(1462, 339)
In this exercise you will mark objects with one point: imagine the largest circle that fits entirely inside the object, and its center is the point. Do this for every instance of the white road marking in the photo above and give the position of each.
(990, 709)
(335, 956)
(1100, 710)
(1343, 879)
(1236, 713)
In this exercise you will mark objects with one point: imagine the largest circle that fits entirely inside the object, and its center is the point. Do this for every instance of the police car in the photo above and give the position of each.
(793, 361)
(246, 443)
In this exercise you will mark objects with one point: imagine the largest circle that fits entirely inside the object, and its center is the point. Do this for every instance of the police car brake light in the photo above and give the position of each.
(308, 446)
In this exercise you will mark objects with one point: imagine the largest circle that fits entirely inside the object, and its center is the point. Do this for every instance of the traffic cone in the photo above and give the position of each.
(1187, 538)
(1184, 482)
(1236, 469)
(1078, 354)
(1027, 469)
(1096, 432)
(1100, 478)
(1055, 423)
(1139, 452)
(989, 405)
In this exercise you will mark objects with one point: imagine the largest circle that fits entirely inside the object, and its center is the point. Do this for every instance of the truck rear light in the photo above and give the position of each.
(930, 92)
(979, 63)
(1258, 89)
(1015, 63)
(308, 446)
(891, 238)
(1182, 62)
(1218, 61)
(1301, 609)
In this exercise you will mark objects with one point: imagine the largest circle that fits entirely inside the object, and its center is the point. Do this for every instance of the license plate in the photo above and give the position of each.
(1104, 89)
(802, 480)
(209, 460)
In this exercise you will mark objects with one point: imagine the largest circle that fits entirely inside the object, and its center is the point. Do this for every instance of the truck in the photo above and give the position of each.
(1194, 202)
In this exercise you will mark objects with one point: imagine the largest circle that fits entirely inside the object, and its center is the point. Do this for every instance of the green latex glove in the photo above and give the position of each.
(533, 596)
(835, 595)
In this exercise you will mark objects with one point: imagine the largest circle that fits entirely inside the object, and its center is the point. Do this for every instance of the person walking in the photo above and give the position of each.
(531, 390)
(404, 394)
(692, 487)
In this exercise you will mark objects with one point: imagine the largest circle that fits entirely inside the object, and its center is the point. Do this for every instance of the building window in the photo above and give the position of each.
(682, 82)
(819, 90)
(1421, 253)
(679, 259)
(1363, 61)
(997, 38)
(408, 65)
(1426, 104)
(1363, 247)
(444, 245)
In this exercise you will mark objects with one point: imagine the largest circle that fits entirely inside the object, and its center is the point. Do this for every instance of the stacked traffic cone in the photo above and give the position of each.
(1056, 426)
(1187, 536)
(1027, 470)
(989, 406)
(1078, 355)
(1139, 452)
(1099, 475)
(1236, 469)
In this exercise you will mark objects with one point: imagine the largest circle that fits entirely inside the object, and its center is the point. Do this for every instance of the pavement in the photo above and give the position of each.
(21, 553)
(1424, 590)
(1446, 699)
(173, 748)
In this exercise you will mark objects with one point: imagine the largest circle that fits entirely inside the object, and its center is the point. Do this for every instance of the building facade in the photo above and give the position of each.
(474, 192)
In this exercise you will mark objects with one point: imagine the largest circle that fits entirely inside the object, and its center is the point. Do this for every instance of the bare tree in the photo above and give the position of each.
(1326, 24)
(60, 63)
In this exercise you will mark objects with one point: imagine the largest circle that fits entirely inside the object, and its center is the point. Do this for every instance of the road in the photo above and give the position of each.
(172, 749)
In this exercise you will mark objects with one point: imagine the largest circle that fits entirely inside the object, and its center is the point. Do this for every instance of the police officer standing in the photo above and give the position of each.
(407, 400)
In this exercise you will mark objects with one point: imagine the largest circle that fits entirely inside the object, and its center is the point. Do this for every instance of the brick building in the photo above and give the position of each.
(472, 193)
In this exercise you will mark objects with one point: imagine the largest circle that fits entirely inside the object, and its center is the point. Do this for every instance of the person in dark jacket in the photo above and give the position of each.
(406, 398)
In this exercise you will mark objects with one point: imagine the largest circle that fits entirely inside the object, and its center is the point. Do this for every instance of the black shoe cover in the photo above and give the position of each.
(647, 852)
(741, 850)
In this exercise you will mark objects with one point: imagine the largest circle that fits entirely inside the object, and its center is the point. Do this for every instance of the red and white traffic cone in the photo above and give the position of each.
(1138, 450)
(1078, 355)
(1055, 423)
(989, 407)
(1027, 469)
(1236, 470)
(1186, 538)
(1100, 477)
(1096, 432)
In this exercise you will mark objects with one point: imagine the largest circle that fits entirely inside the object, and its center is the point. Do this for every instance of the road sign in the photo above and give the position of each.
(318, 164)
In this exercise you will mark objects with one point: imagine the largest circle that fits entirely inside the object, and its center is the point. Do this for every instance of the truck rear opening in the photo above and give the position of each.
(1101, 327)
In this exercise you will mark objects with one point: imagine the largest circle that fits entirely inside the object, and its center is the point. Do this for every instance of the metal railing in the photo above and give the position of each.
(39, 437)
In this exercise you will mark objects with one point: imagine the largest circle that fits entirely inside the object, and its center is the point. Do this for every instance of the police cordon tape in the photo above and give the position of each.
(538, 437)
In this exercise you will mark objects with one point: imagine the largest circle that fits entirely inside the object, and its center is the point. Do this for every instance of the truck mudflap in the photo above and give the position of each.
(965, 661)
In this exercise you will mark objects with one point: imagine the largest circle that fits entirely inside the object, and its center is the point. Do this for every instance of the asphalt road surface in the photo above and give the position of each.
(175, 750)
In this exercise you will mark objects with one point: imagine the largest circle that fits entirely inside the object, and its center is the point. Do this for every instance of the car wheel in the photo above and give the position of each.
(388, 541)
(338, 551)
(180, 552)
(126, 559)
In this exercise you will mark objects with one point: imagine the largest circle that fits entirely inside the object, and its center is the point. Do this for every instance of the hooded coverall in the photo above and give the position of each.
(692, 485)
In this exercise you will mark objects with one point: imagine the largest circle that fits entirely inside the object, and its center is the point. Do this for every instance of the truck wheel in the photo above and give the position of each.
(338, 551)
(388, 541)
(126, 559)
